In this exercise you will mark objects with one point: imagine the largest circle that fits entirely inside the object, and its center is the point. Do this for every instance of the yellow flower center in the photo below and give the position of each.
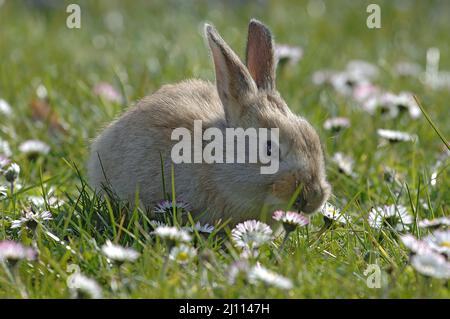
(445, 244)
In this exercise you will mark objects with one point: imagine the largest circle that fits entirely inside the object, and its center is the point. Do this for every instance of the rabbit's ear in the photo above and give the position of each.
(260, 55)
(234, 82)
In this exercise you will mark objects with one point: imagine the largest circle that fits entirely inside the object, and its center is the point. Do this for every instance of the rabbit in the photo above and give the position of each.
(126, 156)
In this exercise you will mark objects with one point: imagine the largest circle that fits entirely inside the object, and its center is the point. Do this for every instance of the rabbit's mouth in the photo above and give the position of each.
(300, 203)
(311, 200)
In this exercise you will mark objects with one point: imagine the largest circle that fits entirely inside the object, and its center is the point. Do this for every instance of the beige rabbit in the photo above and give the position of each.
(126, 155)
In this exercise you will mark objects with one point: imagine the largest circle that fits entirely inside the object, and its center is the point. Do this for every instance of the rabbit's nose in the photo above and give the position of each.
(314, 199)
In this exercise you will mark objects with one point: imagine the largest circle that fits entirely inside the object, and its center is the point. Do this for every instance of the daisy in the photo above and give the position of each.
(172, 234)
(396, 136)
(206, 228)
(364, 91)
(435, 223)
(31, 218)
(107, 92)
(439, 241)
(34, 147)
(396, 217)
(362, 68)
(290, 220)
(332, 213)
(431, 264)
(12, 172)
(387, 104)
(39, 201)
(259, 273)
(13, 252)
(5, 108)
(167, 206)
(182, 254)
(414, 245)
(345, 82)
(251, 234)
(406, 101)
(118, 253)
(344, 163)
(336, 124)
(288, 53)
(82, 287)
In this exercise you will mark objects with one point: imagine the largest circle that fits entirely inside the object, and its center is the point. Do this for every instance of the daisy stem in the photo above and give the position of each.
(283, 243)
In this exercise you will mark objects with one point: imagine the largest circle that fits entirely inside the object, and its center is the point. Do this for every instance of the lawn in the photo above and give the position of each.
(60, 86)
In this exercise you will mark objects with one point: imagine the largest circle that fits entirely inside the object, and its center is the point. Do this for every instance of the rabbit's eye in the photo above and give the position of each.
(269, 148)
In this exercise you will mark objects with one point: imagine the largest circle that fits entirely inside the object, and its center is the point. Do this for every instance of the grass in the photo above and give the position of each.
(160, 42)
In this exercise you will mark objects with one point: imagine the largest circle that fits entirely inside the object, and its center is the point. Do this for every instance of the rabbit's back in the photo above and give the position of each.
(126, 155)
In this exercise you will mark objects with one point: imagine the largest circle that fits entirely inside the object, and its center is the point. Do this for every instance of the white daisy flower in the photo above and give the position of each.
(336, 123)
(39, 201)
(290, 220)
(118, 253)
(206, 228)
(333, 213)
(396, 136)
(5, 108)
(165, 206)
(364, 91)
(406, 101)
(395, 216)
(31, 218)
(431, 264)
(439, 241)
(172, 234)
(345, 82)
(34, 147)
(259, 273)
(289, 53)
(251, 234)
(13, 251)
(414, 245)
(182, 254)
(387, 104)
(344, 163)
(83, 287)
(12, 172)
(5, 150)
(363, 69)
(435, 223)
